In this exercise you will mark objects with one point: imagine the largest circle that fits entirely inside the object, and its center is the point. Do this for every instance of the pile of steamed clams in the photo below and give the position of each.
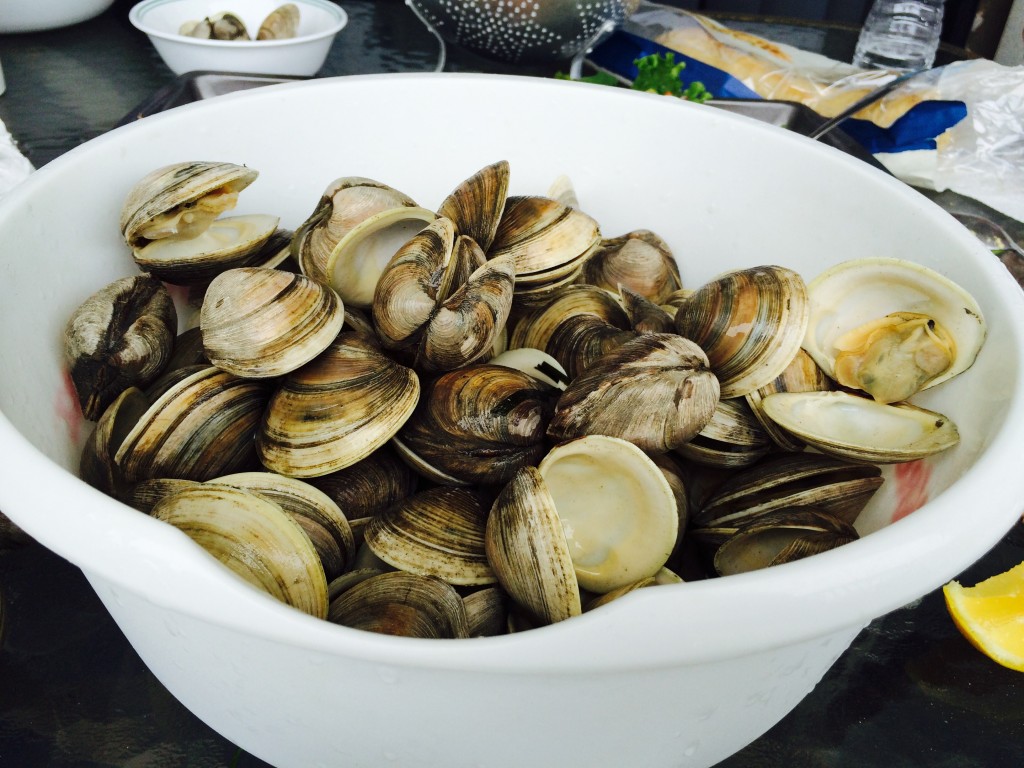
(486, 417)
(282, 23)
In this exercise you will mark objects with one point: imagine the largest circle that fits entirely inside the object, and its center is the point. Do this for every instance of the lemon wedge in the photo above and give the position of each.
(991, 615)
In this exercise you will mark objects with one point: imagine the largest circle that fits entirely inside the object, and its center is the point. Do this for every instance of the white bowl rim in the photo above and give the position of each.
(138, 13)
(824, 580)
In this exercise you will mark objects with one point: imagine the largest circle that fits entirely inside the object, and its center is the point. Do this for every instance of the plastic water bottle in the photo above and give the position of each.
(900, 34)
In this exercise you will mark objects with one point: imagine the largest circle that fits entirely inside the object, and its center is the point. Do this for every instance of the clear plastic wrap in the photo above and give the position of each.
(958, 127)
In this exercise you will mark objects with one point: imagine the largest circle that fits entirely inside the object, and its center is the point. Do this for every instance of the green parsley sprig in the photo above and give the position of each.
(656, 73)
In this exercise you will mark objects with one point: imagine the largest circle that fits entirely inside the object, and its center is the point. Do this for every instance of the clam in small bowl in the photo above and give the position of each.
(675, 674)
(301, 54)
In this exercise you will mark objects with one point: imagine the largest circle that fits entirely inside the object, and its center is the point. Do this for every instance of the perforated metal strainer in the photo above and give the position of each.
(523, 31)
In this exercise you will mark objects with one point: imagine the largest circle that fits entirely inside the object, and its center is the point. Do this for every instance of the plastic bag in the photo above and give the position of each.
(982, 156)
(958, 127)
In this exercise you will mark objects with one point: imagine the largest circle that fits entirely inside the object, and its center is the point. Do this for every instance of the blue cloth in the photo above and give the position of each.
(916, 129)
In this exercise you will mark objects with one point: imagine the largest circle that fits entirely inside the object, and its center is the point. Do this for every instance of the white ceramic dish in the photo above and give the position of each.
(39, 15)
(676, 675)
(320, 21)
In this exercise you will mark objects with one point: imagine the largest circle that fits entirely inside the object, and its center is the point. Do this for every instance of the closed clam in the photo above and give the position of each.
(97, 465)
(402, 604)
(487, 612)
(782, 536)
(253, 537)
(577, 324)
(640, 261)
(732, 438)
(335, 410)
(200, 426)
(282, 23)
(749, 322)
(121, 336)
(440, 297)
(547, 240)
(478, 424)
(315, 512)
(644, 315)
(656, 391)
(840, 487)
(369, 486)
(261, 323)
(476, 205)
(437, 532)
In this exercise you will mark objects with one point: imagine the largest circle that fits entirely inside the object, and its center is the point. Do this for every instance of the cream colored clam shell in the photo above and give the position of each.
(260, 323)
(856, 292)
(860, 429)
(616, 508)
(254, 538)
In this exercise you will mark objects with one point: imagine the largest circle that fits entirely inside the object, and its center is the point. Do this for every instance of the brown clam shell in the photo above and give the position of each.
(749, 322)
(480, 424)
(336, 410)
(655, 390)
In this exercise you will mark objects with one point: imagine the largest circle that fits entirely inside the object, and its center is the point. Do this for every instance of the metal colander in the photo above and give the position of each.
(523, 31)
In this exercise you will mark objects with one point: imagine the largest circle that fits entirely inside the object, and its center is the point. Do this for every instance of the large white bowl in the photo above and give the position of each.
(39, 15)
(319, 23)
(679, 675)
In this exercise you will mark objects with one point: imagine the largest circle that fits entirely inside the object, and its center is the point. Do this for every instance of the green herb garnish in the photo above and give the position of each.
(656, 73)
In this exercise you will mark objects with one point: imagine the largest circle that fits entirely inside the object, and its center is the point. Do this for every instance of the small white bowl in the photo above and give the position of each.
(320, 21)
(36, 16)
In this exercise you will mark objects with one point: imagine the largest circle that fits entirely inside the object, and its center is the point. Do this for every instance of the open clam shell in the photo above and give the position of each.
(227, 243)
(345, 203)
(801, 375)
(336, 410)
(355, 264)
(527, 548)
(181, 200)
(616, 508)
(854, 294)
(861, 429)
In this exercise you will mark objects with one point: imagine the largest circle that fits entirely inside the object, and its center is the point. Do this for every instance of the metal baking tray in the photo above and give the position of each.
(196, 86)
